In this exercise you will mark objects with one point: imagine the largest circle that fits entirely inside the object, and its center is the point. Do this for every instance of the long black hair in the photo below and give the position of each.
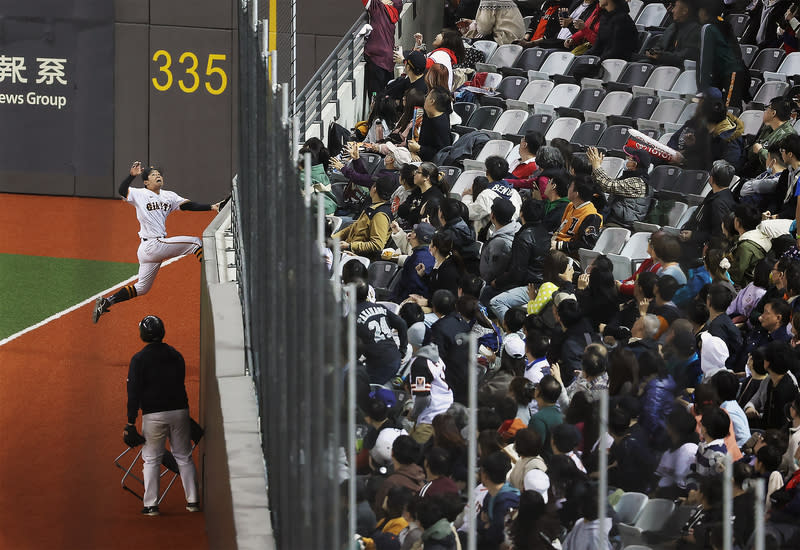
(452, 41)
(319, 153)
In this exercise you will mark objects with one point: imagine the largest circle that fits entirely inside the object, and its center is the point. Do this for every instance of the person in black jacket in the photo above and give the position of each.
(617, 37)
(719, 323)
(706, 222)
(429, 191)
(447, 271)
(374, 324)
(452, 220)
(434, 134)
(681, 39)
(156, 386)
(530, 245)
(453, 348)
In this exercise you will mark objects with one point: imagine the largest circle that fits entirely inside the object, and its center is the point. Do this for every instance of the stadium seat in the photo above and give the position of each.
(512, 86)
(563, 95)
(588, 134)
(771, 89)
(465, 180)
(451, 174)
(651, 15)
(686, 84)
(612, 240)
(653, 517)
(612, 68)
(495, 147)
(662, 78)
(613, 166)
(630, 505)
(739, 22)
(588, 99)
(503, 56)
(536, 123)
(372, 161)
(636, 74)
(464, 109)
(513, 154)
(562, 128)
(640, 108)
(531, 59)
(687, 113)
(677, 212)
(510, 122)
(664, 177)
(686, 217)
(380, 274)
(535, 92)
(752, 120)
(557, 63)
(668, 110)
(690, 182)
(666, 137)
(484, 118)
(613, 104)
(652, 40)
(486, 46)
(768, 60)
(790, 65)
(582, 60)
(749, 53)
(635, 7)
(614, 138)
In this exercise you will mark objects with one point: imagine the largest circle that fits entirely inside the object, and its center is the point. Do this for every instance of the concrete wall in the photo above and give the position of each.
(233, 475)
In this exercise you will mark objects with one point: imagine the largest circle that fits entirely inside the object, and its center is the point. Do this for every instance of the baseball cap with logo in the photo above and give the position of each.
(642, 157)
(514, 346)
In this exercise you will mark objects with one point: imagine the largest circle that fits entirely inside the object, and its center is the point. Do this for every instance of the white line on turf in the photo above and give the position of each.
(89, 300)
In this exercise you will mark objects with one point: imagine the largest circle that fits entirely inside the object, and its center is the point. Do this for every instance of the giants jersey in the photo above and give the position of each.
(152, 210)
(427, 378)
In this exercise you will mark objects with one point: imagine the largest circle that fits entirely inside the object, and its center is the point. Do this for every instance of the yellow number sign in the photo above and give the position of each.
(191, 80)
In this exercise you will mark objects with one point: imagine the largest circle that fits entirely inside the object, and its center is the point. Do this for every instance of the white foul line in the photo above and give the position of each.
(79, 305)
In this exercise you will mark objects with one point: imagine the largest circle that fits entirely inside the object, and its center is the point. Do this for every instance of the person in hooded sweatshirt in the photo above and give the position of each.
(501, 496)
(437, 532)
(407, 473)
(496, 253)
(452, 219)
(480, 207)
(629, 196)
(430, 393)
(752, 246)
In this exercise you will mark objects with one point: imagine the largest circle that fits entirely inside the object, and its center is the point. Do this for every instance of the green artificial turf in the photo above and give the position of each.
(32, 288)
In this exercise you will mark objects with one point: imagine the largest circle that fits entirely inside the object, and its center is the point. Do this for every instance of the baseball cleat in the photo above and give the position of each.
(100, 306)
(150, 511)
(193, 506)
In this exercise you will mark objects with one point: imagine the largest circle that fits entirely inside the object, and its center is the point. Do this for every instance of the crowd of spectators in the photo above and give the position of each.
(697, 350)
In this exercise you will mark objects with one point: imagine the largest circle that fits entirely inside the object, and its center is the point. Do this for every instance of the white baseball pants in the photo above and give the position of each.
(154, 251)
(156, 428)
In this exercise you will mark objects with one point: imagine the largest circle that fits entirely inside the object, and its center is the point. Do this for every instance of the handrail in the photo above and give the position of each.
(317, 83)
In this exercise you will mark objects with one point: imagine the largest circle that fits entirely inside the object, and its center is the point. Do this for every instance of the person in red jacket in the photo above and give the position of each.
(523, 167)
(587, 31)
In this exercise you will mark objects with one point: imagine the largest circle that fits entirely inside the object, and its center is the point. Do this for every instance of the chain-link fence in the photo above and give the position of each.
(292, 335)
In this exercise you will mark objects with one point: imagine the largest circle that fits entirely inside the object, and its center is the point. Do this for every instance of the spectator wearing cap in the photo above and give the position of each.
(414, 68)
(629, 197)
(496, 253)
(706, 222)
(410, 281)
(370, 232)
(512, 363)
(523, 167)
(480, 206)
(509, 288)
(777, 125)
(713, 354)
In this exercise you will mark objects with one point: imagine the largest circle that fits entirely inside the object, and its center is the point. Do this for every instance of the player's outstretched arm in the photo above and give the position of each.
(199, 206)
(136, 169)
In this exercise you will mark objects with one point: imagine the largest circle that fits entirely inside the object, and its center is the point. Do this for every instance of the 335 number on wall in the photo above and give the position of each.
(186, 69)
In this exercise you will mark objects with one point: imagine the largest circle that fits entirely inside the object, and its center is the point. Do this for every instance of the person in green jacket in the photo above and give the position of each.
(777, 125)
(751, 247)
(320, 157)
(721, 64)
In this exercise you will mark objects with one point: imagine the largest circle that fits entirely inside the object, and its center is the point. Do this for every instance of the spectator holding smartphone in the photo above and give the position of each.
(680, 41)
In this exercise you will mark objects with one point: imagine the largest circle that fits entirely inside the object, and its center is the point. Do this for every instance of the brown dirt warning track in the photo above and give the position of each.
(62, 388)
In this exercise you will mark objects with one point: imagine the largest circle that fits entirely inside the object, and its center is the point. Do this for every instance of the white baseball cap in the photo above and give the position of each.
(381, 453)
(713, 354)
(514, 346)
(401, 154)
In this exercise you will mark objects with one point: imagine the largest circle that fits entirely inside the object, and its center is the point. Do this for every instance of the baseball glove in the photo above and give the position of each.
(132, 437)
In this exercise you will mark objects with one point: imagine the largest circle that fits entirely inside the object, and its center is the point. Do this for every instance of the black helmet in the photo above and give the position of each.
(151, 329)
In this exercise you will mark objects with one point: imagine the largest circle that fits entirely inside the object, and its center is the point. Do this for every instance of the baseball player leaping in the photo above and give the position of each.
(153, 205)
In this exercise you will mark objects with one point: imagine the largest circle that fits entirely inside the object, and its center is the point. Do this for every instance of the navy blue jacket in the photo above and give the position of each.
(410, 282)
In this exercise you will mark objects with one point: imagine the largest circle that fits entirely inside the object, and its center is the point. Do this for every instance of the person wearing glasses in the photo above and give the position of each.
(777, 125)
